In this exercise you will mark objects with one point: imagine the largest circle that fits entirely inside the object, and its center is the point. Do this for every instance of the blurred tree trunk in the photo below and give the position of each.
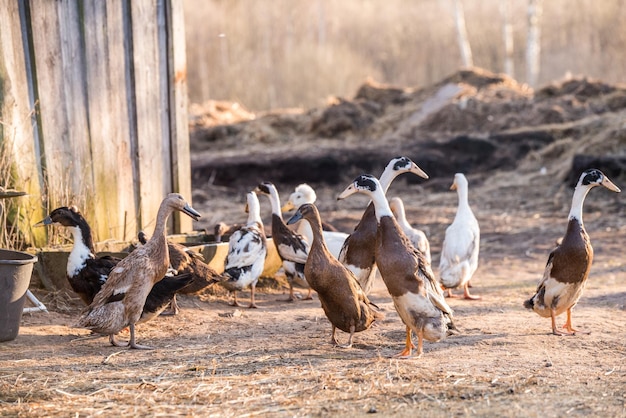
(533, 48)
(464, 44)
(507, 35)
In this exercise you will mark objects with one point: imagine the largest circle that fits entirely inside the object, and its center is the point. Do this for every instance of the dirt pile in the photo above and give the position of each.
(473, 121)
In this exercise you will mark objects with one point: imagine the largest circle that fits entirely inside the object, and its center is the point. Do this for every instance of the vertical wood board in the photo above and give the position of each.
(151, 175)
(18, 116)
(179, 123)
(113, 202)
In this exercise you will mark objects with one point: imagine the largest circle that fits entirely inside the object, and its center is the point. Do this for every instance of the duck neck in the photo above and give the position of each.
(386, 178)
(401, 217)
(82, 250)
(275, 202)
(254, 213)
(161, 220)
(381, 206)
(576, 211)
(316, 229)
(463, 200)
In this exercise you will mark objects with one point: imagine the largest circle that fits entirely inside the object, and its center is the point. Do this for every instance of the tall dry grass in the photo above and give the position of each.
(295, 53)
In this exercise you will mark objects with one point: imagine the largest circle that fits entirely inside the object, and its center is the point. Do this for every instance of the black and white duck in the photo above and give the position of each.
(569, 263)
(292, 248)
(247, 249)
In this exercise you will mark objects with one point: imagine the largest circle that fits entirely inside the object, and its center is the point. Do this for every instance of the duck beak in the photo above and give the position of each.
(295, 218)
(418, 171)
(191, 212)
(287, 206)
(609, 185)
(44, 222)
(350, 190)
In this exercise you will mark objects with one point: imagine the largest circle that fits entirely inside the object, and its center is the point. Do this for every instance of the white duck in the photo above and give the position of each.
(121, 300)
(291, 247)
(305, 194)
(358, 251)
(247, 248)
(459, 252)
(416, 236)
(416, 295)
(569, 263)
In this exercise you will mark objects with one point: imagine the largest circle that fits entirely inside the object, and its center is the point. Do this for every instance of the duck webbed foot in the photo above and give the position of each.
(133, 344)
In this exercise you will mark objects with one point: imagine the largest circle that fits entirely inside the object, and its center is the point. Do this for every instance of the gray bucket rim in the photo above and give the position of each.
(29, 258)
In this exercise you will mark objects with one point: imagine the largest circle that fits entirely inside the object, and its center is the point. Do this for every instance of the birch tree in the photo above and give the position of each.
(533, 46)
(507, 37)
(461, 29)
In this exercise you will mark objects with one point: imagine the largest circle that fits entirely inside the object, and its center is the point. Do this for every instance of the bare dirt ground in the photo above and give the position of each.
(215, 360)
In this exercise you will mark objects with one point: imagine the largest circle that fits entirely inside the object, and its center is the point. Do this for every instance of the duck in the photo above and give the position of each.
(568, 265)
(358, 251)
(416, 295)
(344, 302)
(291, 247)
(417, 237)
(87, 273)
(183, 260)
(120, 301)
(334, 239)
(247, 249)
(304, 193)
(459, 252)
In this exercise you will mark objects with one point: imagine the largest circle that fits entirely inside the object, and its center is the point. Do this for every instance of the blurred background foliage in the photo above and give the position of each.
(269, 54)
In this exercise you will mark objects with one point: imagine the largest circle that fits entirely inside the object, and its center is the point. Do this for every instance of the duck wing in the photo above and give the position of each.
(245, 247)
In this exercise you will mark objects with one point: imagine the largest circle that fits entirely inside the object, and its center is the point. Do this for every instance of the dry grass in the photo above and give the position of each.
(294, 53)
(213, 360)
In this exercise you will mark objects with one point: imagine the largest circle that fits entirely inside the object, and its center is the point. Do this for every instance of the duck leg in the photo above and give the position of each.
(133, 344)
(568, 324)
(466, 293)
(309, 296)
(234, 301)
(252, 302)
(333, 338)
(450, 294)
(408, 349)
(116, 343)
(173, 308)
(555, 330)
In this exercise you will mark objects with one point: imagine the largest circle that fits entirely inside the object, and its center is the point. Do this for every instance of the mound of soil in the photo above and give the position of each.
(473, 121)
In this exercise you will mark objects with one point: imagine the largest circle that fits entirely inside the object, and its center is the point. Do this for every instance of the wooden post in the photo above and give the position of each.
(17, 114)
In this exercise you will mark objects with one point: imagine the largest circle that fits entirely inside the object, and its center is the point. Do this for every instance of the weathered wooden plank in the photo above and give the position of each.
(18, 116)
(106, 71)
(152, 148)
(61, 88)
(179, 124)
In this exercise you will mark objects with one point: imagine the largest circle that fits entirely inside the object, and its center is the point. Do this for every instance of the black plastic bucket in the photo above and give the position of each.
(16, 269)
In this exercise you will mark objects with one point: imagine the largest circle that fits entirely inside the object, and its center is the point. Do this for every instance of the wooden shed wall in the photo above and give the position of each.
(95, 104)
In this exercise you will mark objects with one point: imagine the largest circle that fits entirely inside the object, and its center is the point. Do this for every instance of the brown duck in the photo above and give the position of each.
(120, 302)
(416, 295)
(569, 263)
(183, 261)
(358, 250)
(344, 302)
